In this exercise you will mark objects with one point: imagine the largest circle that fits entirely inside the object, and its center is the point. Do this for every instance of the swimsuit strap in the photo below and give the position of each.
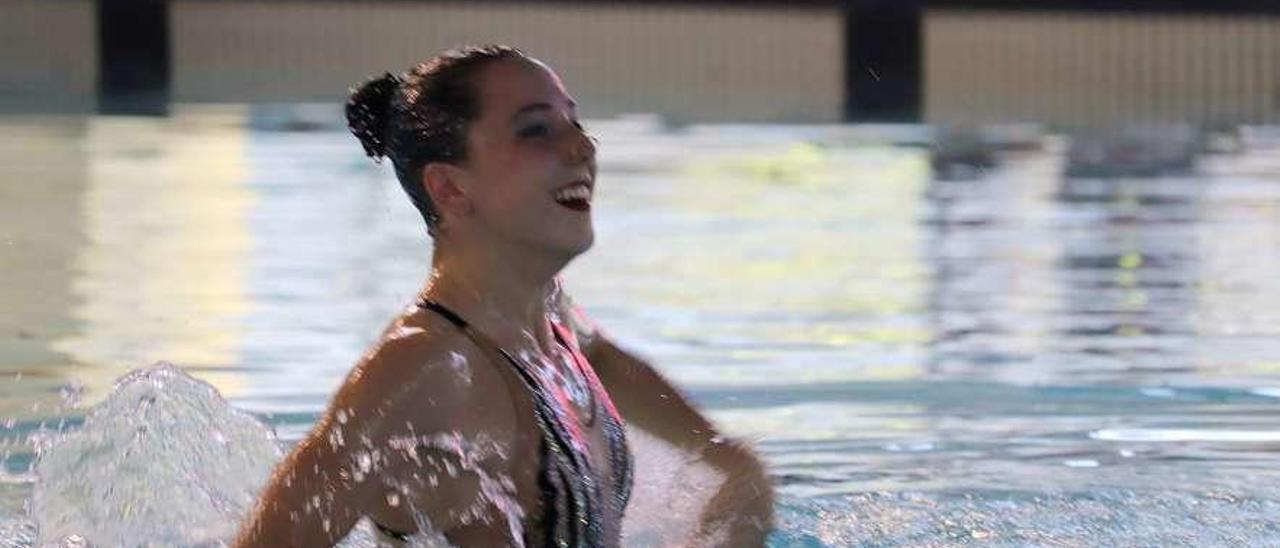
(567, 481)
(448, 314)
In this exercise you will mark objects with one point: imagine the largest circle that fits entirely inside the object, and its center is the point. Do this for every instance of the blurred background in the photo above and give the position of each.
(967, 271)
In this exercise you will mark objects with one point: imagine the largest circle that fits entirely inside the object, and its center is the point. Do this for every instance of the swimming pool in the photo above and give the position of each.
(1016, 359)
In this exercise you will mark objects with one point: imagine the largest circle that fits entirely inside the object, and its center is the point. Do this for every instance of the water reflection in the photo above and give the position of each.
(338, 250)
(760, 251)
(1128, 275)
(43, 165)
(992, 256)
(161, 276)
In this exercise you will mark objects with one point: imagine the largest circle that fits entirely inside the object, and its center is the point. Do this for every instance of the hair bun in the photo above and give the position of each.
(368, 110)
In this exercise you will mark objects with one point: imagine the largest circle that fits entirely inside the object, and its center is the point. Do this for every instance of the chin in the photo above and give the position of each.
(582, 245)
(565, 249)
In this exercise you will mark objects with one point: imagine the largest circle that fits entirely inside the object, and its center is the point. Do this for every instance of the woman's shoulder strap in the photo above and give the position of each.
(444, 311)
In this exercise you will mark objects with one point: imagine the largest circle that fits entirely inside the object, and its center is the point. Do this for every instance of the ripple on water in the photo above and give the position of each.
(1098, 517)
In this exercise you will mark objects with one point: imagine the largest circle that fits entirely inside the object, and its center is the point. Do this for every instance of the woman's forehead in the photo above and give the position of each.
(508, 86)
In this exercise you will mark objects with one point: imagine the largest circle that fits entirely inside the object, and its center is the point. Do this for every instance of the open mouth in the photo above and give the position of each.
(576, 197)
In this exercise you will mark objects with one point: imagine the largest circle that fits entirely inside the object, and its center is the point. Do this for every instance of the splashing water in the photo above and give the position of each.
(670, 488)
(164, 460)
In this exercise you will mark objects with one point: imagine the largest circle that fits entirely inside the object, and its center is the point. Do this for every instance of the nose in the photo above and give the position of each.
(582, 146)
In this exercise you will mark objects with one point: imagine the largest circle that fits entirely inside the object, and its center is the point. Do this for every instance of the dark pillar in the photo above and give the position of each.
(882, 60)
(133, 58)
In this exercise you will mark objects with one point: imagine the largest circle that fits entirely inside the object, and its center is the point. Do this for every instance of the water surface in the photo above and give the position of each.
(1016, 359)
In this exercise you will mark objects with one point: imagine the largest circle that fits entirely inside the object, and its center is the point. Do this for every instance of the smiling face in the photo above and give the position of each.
(530, 170)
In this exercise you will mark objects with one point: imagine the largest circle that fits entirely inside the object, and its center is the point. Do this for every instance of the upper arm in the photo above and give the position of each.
(650, 402)
(310, 499)
(404, 422)
(445, 436)
(647, 400)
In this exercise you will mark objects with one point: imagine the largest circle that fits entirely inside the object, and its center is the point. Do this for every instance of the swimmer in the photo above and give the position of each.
(491, 408)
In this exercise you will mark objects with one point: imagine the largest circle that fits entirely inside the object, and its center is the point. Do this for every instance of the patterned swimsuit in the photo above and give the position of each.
(576, 513)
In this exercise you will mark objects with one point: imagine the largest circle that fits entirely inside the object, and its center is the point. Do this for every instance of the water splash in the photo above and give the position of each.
(454, 455)
(162, 461)
(165, 461)
(670, 489)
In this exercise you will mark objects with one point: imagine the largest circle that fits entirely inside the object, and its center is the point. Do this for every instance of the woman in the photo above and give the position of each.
(490, 410)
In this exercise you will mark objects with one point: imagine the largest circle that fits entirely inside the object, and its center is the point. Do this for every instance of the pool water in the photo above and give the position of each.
(1013, 359)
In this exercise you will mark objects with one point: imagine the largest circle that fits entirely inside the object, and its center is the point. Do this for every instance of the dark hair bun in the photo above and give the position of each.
(368, 112)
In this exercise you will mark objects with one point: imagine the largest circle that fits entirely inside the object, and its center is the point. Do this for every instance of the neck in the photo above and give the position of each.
(500, 292)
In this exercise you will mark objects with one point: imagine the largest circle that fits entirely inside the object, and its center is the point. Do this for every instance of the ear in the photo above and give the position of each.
(443, 183)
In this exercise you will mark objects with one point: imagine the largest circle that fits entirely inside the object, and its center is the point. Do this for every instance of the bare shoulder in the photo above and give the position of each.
(425, 375)
(422, 401)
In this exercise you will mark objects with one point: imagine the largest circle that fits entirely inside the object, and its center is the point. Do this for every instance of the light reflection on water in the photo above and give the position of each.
(874, 329)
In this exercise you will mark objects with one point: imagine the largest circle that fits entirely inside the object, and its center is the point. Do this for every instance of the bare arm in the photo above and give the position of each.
(307, 502)
(403, 423)
(744, 504)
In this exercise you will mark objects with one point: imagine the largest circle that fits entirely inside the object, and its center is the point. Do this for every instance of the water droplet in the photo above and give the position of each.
(335, 438)
(458, 363)
(366, 462)
(393, 499)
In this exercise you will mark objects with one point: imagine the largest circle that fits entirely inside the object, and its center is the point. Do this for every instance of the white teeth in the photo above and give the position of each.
(575, 192)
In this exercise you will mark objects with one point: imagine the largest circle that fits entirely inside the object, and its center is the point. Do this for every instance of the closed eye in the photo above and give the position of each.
(537, 130)
(542, 130)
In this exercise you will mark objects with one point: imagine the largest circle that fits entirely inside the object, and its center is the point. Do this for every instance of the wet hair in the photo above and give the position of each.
(422, 116)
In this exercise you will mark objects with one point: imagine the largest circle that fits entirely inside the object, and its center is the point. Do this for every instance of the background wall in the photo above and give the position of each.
(48, 53)
(689, 62)
(1100, 68)
(696, 62)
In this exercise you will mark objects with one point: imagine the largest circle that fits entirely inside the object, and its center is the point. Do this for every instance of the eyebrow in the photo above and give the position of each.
(540, 106)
